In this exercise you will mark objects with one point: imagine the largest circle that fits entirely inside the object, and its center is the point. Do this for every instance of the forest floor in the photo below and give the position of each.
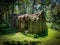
(53, 37)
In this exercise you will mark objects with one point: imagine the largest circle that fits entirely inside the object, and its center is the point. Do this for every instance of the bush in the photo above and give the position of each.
(12, 43)
(19, 43)
(8, 31)
(6, 43)
(36, 36)
(55, 26)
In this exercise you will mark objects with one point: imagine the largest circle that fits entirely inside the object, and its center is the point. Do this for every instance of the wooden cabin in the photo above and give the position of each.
(32, 23)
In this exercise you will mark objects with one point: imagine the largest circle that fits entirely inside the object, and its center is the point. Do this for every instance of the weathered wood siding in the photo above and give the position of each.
(31, 24)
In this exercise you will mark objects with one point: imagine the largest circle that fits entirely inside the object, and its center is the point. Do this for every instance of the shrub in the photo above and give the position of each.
(6, 43)
(36, 36)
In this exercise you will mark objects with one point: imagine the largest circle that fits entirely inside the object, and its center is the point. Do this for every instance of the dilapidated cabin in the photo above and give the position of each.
(32, 23)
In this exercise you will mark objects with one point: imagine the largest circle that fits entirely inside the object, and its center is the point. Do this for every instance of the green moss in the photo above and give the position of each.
(50, 39)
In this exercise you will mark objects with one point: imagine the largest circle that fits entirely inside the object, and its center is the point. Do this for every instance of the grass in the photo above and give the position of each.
(51, 39)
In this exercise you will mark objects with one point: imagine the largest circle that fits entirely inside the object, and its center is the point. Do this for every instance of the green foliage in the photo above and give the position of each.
(25, 1)
(21, 43)
(38, 1)
(47, 2)
(5, 29)
(56, 26)
(12, 43)
(36, 36)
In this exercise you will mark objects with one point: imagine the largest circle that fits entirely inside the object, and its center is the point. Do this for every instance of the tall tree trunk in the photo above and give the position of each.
(12, 7)
(1, 18)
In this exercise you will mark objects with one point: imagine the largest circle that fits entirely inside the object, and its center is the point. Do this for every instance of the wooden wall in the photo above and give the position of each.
(25, 23)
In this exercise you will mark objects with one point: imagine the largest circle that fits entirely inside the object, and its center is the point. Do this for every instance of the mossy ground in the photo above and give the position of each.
(53, 37)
